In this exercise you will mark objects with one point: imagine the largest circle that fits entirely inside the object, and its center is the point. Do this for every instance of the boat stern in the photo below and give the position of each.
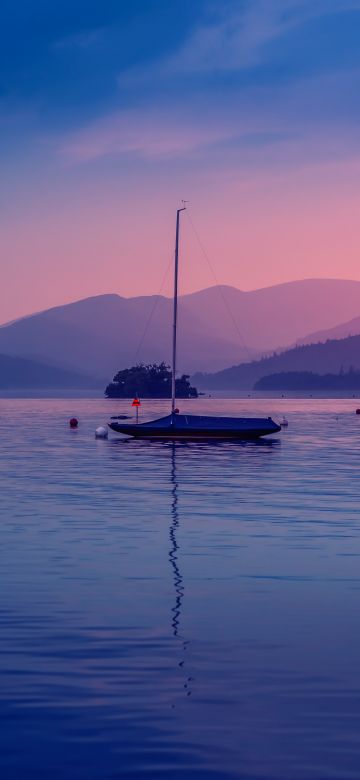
(273, 426)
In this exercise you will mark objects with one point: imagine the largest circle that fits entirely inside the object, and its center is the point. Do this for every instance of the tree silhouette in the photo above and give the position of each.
(151, 381)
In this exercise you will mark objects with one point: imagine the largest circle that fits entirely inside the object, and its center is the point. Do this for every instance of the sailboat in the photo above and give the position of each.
(190, 426)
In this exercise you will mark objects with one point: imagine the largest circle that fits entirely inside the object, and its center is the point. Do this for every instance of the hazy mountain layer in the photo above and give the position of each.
(349, 328)
(280, 315)
(104, 334)
(331, 357)
(217, 327)
(18, 372)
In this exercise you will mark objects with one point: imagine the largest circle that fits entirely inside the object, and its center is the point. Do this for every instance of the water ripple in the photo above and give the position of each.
(179, 610)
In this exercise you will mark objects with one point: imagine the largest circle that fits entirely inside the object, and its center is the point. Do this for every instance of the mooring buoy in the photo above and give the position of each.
(101, 432)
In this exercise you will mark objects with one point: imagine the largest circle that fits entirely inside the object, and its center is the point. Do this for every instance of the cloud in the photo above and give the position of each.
(143, 133)
(80, 40)
(313, 118)
(237, 39)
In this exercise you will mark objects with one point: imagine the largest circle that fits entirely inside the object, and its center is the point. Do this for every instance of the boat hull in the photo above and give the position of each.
(193, 428)
(193, 436)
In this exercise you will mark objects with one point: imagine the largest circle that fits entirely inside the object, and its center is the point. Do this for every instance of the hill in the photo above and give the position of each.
(20, 373)
(331, 357)
(105, 333)
(308, 380)
(278, 315)
(349, 328)
(99, 335)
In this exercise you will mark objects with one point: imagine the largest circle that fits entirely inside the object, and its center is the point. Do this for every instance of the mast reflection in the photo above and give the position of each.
(173, 552)
(179, 588)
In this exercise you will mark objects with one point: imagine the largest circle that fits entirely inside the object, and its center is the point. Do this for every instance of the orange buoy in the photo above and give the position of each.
(74, 422)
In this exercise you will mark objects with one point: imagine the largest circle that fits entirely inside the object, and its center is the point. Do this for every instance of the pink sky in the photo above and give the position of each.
(258, 228)
(248, 110)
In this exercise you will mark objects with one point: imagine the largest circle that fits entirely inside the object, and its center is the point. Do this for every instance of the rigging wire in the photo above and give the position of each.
(152, 312)
(219, 287)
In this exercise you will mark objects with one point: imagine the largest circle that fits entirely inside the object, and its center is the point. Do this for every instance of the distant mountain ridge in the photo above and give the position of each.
(27, 374)
(279, 315)
(329, 358)
(103, 334)
(218, 327)
(349, 328)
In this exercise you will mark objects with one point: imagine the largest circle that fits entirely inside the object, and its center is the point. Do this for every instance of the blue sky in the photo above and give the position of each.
(71, 61)
(119, 102)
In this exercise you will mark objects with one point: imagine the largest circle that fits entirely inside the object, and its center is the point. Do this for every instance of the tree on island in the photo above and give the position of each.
(152, 381)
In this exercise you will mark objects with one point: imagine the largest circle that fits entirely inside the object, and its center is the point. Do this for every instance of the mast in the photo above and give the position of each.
(176, 270)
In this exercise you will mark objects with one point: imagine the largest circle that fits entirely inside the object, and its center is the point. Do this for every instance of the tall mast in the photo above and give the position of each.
(173, 382)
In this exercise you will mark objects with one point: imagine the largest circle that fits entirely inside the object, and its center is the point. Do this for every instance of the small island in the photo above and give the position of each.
(151, 381)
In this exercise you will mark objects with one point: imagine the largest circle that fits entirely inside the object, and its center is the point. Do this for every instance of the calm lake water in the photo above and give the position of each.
(179, 611)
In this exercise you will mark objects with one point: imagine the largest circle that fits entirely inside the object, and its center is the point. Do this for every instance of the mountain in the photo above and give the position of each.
(350, 328)
(279, 315)
(103, 334)
(29, 374)
(218, 326)
(331, 357)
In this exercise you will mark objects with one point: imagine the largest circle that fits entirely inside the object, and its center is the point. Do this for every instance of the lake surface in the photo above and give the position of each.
(179, 611)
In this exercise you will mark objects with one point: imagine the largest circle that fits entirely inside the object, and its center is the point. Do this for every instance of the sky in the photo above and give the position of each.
(113, 112)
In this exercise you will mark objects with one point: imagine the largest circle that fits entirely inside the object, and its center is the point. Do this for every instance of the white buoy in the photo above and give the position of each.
(101, 432)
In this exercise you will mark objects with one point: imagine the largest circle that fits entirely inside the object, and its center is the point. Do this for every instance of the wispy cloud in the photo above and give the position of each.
(79, 40)
(238, 37)
(304, 121)
(144, 134)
